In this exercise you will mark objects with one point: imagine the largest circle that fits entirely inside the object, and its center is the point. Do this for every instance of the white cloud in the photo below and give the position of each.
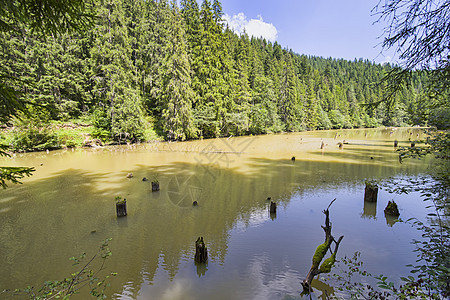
(254, 27)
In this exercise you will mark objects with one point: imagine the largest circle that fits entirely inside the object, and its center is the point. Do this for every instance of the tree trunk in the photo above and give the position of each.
(201, 252)
(121, 208)
(371, 193)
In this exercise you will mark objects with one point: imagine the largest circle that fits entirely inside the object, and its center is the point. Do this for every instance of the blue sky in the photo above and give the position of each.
(327, 28)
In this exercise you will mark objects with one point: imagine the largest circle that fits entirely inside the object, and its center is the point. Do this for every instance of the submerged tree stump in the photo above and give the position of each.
(155, 186)
(392, 209)
(121, 208)
(371, 192)
(273, 207)
(201, 252)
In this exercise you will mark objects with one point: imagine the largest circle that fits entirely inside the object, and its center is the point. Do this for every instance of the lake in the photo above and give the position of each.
(68, 207)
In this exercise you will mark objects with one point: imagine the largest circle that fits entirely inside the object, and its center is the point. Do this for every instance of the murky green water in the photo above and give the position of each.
(67, 207)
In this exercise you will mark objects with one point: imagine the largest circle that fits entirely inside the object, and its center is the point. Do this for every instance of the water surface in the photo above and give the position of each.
(67, 207)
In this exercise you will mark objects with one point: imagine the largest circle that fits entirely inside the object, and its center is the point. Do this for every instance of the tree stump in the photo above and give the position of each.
(371, 192)
(392, 209)
(395, 144)
(273, 207)
(201, 252)
(121, 208)
(155, 186)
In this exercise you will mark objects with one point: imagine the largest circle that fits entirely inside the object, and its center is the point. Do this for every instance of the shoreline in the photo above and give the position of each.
(79, 135)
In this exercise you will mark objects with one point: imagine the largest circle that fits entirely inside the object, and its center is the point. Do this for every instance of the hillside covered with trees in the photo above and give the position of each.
(184, 73)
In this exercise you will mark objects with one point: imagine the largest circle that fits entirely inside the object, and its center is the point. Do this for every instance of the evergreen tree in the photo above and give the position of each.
(177, 93)
(288, 103)
(113, 74)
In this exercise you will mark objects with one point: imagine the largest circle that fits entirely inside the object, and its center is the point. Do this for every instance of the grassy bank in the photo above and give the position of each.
(34, 136)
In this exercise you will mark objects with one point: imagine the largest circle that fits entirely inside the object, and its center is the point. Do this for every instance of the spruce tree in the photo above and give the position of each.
(177, 93)
(113, 74)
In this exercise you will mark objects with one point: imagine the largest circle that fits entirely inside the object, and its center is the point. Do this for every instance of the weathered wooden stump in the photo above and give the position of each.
(371, 192)
(121, 208)
(273, 207)
(201, 252)
(155, 186)
(395, 144)
(392, 209)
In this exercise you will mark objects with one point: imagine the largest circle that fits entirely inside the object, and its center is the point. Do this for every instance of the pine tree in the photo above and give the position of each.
(311, 109)
(288, 103)
(177, 95)
(113, 74)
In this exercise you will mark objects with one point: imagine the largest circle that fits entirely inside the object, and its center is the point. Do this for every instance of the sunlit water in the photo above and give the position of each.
(67, 207)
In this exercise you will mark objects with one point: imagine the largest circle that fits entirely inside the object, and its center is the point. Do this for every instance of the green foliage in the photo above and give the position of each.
(191, 75)
(119, 199)
(337, 119)
(324, 121)
(12, 174)
(371, 183)
(87, 275)
(72, 135)
(33, 135)
(351, 277)
(102, 125)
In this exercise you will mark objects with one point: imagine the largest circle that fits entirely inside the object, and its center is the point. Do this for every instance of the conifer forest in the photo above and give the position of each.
(180, 71)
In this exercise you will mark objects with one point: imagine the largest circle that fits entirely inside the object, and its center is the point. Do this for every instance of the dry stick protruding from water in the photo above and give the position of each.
(320, 253)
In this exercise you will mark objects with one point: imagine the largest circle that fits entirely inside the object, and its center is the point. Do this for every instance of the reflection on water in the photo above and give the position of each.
(68, 208)
(390, 220)
(370, 210)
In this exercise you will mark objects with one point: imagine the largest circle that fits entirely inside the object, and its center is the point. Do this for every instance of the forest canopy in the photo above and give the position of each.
(182, 71)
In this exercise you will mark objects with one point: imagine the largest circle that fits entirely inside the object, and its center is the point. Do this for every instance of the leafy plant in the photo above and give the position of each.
(12, 174)
(371, 183)
(86, 276)
(33, 134)
(120, 200)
